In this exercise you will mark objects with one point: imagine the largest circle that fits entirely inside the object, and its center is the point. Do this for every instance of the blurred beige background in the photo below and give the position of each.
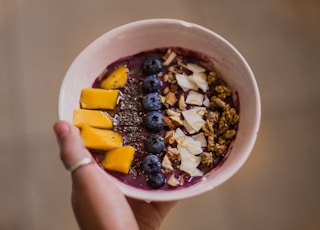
(278, 187)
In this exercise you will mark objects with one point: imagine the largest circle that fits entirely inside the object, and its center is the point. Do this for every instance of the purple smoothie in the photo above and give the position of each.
(129, 115)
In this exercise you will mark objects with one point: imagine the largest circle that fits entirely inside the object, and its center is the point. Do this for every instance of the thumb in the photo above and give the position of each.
(71, 145)
(72, 150)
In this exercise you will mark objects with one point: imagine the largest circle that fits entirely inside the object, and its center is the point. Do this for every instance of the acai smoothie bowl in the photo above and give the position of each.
(168, 108)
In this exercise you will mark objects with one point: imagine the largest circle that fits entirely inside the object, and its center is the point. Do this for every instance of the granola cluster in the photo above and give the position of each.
(210, 99)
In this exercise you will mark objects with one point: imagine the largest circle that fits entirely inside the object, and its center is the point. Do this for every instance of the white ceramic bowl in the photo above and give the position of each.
(145, 35)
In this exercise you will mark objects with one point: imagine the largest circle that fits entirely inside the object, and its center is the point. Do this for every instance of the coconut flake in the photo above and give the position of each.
(197, 172)
(194, 98)
(206, 102)
(179, 135)
(201, 138)
(194, 147)
(171, 112)
(195, 68)
(189, 162)
(200, 79)
(188, 127)
(185, 83)
(193, 118)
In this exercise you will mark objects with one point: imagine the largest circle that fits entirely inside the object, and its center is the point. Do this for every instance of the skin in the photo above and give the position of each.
(97, 202)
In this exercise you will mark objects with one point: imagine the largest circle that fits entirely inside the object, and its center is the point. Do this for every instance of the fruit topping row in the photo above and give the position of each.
(96, 124)
(154, 144)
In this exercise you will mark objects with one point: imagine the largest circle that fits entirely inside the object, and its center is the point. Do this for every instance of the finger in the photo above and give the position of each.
(71, 145)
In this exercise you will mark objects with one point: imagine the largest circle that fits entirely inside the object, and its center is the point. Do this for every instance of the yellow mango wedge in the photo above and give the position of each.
(92, 98)
(94, 118)
(119, 160)
(100, 139)
(117, 79)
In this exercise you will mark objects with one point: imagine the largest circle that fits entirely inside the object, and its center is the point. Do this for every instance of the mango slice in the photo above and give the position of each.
(119, 160)
(92, 98)
(94, 118)
(117, 79)
(100, 139)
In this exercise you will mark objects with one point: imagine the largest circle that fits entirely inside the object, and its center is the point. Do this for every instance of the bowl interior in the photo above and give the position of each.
(158, 33)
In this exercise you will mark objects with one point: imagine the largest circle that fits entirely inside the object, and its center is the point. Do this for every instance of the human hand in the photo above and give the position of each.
(97, 202)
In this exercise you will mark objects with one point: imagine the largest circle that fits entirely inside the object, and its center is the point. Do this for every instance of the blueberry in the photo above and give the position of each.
(152, 65)
(156, 180)
(152, 102)
(154, 144)
(151, 84)
(151, 164)
(154, 121)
